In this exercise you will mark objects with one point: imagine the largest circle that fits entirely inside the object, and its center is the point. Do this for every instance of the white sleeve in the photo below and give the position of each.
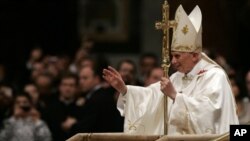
(142, 108)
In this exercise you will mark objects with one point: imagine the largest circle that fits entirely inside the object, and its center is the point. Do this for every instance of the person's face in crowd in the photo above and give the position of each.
(184, 61)
(248, 83)
(155, 76)
(37, 69)
(22, 101)
(6, 97)
(22, 106)
(80, 54)
(147, 64)
(52, 69)
(86, 63)
(63, 63)
(220, 60)
(87, 79)
(36, 54)
(88, 44)
(31, 89)
(127, 72)
(235, 88)
(68, 87)
(43, 81)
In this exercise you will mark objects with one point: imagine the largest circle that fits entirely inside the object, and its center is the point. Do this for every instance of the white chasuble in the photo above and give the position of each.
(204, 104)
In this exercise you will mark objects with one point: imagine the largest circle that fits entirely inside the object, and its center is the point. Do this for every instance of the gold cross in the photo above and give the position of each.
(165, 25)
(185, 30)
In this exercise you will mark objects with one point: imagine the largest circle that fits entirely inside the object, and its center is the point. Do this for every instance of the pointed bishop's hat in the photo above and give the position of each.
(187, 36)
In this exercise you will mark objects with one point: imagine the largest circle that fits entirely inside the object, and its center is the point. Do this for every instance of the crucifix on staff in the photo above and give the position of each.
(165, 25)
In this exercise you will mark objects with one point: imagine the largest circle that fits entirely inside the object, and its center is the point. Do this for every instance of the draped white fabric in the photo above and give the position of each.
(204, 104)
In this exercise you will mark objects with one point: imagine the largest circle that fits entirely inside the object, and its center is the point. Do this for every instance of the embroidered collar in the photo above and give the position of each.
(201, 71)
(197, 70)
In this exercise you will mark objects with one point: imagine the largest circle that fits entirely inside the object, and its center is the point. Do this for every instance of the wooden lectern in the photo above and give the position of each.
(129, 137)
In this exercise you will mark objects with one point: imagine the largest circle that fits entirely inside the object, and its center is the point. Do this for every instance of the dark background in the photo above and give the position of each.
(52, 25)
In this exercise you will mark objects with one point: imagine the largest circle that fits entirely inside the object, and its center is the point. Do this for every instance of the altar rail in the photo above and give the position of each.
(129, 137)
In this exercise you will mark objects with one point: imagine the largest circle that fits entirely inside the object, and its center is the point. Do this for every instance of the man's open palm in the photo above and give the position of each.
(114, 78)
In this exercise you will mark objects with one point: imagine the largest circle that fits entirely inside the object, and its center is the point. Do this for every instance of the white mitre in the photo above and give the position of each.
(187, 36)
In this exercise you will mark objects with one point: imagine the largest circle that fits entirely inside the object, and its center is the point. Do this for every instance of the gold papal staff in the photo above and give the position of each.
(165, 25)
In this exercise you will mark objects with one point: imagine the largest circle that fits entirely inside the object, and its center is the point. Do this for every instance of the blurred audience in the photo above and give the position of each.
(154, 76)
(44, 83)
(37, 69)
(36, 54)
(147, 61)
(83, 52)
(68, 93)
(221, 60)
(6, 98)
(32, 90)
(128, 71)
(98, 108)
(247, 80)
(25, 123)
(61, 112)
(244, 106)
(63, 63)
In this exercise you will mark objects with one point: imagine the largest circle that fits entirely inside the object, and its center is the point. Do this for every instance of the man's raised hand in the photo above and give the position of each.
(113, 77)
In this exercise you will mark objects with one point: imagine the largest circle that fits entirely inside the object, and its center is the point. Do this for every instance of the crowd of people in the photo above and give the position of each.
(60, 96)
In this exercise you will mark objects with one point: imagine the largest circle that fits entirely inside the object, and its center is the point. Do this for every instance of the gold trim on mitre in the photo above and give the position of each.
(187, 49)
(187, 35)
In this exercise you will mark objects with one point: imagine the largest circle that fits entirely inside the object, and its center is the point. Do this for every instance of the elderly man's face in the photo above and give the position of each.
(183, 61)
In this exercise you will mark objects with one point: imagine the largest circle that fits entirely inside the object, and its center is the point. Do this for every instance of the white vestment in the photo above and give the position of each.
(204, 104)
